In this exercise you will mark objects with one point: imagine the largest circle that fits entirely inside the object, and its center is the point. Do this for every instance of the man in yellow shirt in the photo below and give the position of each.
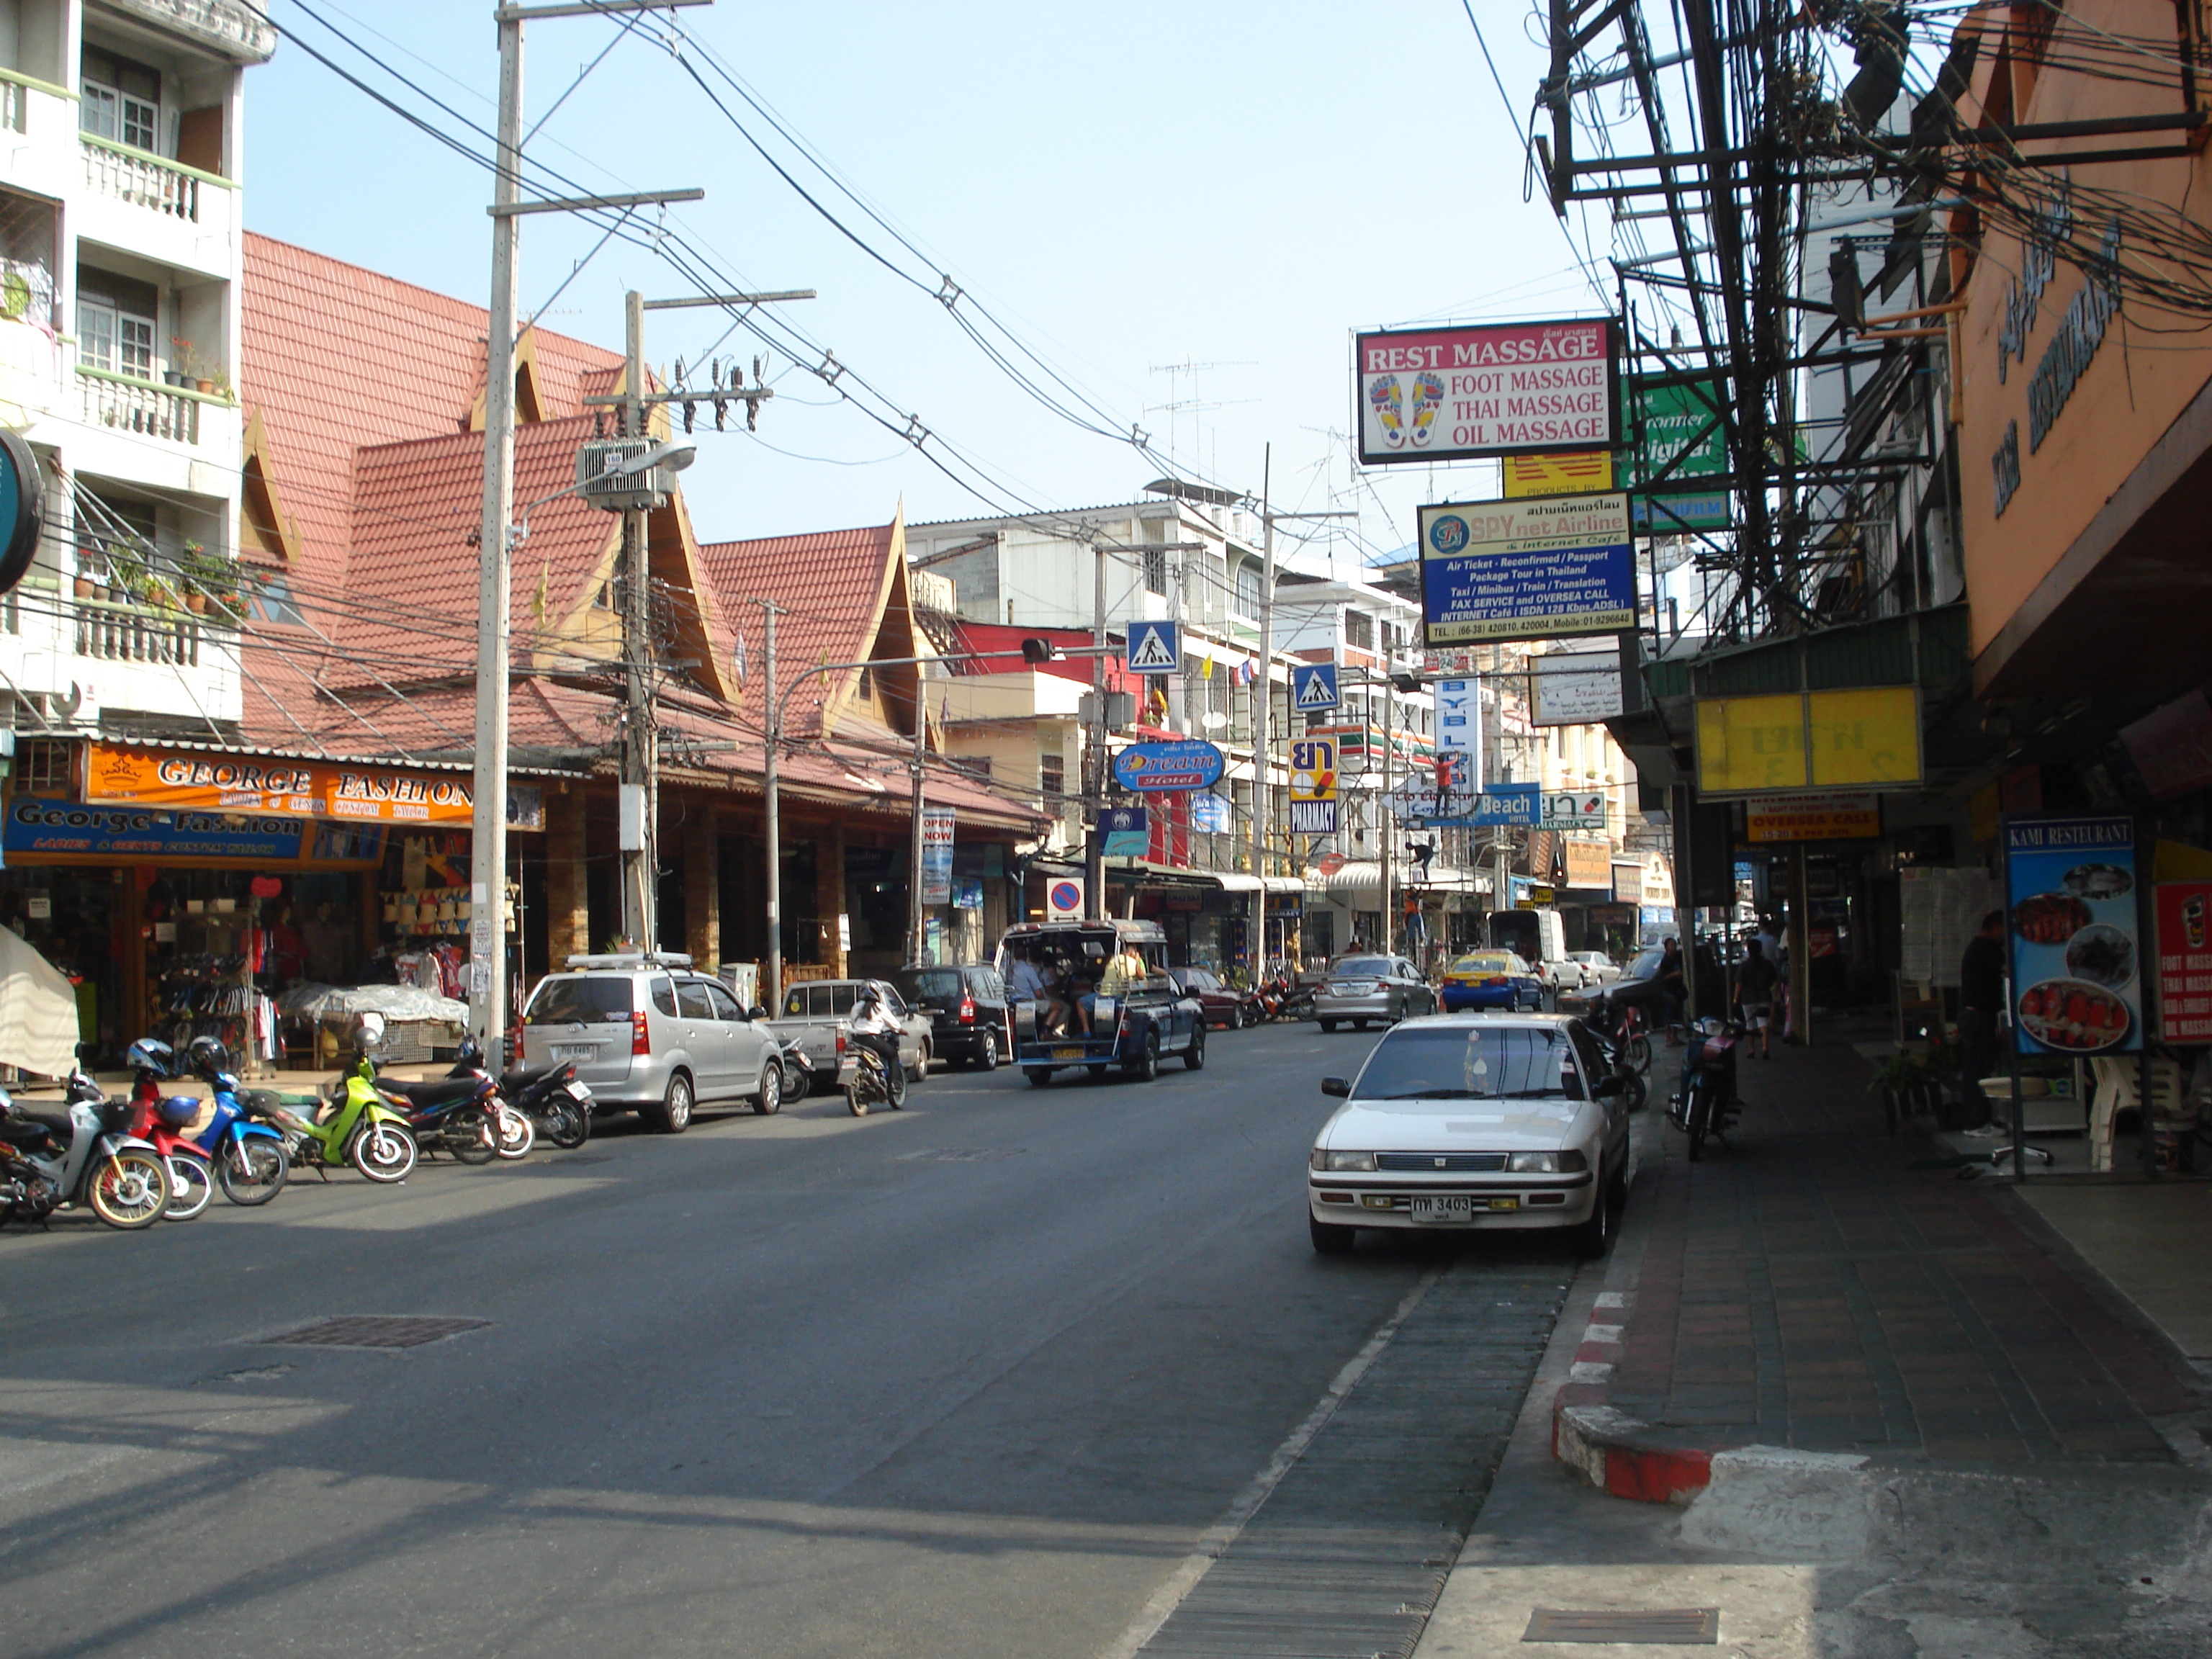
(1124, 972)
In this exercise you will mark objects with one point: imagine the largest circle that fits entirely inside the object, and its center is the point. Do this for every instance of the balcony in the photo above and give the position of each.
(129, 403)
(145, 180)
(120, 630)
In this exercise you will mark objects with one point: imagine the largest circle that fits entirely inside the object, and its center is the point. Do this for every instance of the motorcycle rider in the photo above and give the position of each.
(872, 1026)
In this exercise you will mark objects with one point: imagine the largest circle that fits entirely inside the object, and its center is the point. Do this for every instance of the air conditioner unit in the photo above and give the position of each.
(601, 482)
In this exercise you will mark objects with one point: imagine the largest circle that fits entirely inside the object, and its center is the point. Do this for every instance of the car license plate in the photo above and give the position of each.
(1067, 1054)
(575, 1051)
(1458, 1206)
(578, 1092)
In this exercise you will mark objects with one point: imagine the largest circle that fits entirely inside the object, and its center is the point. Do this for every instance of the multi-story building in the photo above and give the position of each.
(121, 255)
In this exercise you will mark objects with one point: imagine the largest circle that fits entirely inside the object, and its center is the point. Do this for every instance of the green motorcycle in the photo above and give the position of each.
(357, 1129)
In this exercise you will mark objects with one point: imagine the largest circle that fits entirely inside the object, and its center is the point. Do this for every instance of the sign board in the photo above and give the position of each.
(1154, 647)
(234, 783)
(1546, 567)
(1678, 422)
(57, 826)
(1313, 769)
(1313, 687)
(1500, 389)
(1209, 814)
(1589, 864)
(1582, 810)
(1063, 898)
(1828, 815)
(1863, 737)
(1458, 715)
(1578, 687)
(1558, 474)
(2183, 914)
(1503, 804)
(937, 854)
(968, 893)
(1128, 832)
(1155, 768)
(1628, 883)
(22, 509)
(2071, 905)
(1313, 818)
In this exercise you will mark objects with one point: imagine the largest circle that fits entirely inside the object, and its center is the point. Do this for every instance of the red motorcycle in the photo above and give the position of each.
(162, 1119)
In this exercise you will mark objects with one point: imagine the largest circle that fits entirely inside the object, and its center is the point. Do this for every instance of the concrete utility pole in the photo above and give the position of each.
(641, 768)
(1094, 751)
(487, 963)
(1384, 812)
(771, 739)
(916, 930)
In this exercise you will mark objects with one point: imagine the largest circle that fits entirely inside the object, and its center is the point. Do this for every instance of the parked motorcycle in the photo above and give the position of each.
(160, 1120)
(357, 1125)
(1705, 1103)
(798, 1073)
(550, 1099)
(81, 1155)
(248, 1158)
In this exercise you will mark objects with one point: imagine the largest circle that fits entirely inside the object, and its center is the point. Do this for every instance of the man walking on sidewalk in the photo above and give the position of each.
(1981, 997)
(1754, 995)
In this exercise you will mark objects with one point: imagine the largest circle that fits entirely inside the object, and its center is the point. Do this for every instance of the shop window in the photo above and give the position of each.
(121, 99)
(26, 259)
(43, 767)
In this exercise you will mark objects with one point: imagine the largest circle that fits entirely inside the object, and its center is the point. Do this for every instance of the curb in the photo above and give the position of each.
(1616, 1453)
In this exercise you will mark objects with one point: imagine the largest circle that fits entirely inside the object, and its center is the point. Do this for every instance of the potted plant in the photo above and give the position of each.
(186, 364)
(218, 382)
(211, 579)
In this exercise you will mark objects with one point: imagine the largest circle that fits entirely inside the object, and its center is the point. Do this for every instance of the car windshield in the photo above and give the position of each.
(580, 1001)
(931, 984)
(1471, 1062)
(1646, 966)
(1376, 967)
(1488, 962)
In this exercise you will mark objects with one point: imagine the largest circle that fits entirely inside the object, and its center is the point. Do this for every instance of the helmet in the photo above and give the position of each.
(178, 1110)
(208, 1054)
(152, 1055)
(369, 1031)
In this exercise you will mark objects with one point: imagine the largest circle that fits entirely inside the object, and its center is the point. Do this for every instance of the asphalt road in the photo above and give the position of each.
(971, 1379)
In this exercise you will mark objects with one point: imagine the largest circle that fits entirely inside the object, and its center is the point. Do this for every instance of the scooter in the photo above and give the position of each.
(248, 1157)
(1705, 1102)
(357, 1125)
(798, 1073)
(550, 1098)
(81, 1155)
(461, 1114)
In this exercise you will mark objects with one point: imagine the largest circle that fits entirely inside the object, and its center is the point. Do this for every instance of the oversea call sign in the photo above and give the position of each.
(1500, 389)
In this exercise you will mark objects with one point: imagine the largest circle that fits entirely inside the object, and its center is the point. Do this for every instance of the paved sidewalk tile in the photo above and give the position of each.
(1805, 1287)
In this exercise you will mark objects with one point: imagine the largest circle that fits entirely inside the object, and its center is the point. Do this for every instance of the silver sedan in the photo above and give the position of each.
(1360, 989)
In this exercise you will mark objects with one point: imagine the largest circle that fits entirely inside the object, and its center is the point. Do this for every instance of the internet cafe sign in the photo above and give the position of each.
(234, 783)
(1439, 394)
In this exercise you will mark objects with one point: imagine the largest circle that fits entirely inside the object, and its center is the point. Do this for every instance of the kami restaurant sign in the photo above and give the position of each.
(1501, 389)
(227, 783)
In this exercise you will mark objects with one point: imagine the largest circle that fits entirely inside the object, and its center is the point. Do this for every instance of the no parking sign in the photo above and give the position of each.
(1063, 899)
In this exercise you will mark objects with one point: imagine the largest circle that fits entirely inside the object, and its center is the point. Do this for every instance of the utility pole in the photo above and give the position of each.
(1390, 830)
(772, 736)
(640, 767)
(916, 929)
(1094, 751)
(488, 962)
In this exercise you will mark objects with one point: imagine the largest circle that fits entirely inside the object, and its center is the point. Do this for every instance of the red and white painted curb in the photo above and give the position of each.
(1606, 1448)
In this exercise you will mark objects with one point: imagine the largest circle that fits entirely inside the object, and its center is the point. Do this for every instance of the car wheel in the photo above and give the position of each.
(1037, 1075)
(1594, 1238)
(1328, 1239)
(1359, 1024)
(673, 1115)
(986, 1053)
(1329, 1025)
(1237, 1017)
(1194, 1056)
(1146, 1066)
(769, 1101)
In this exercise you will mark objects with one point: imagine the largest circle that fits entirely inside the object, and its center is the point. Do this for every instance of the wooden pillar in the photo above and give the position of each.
(568, 900)
(702, 884)
(830, 893)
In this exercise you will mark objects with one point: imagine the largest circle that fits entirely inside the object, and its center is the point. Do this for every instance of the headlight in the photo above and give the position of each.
(1568, 1163)
(1318, 1159)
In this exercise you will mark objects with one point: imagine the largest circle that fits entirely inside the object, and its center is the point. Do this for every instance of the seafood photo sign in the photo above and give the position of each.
(2077, 969)
(1440, 394)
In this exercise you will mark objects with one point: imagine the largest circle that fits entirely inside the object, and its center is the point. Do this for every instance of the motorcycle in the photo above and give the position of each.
(1618, 1032)
(797, 1072)
(355, 1126)
(459, 1116)
(1705, 1103)
(875, 1083)
(158, 1120)
(521, 1101)
(248, 1158)
(81, 1155)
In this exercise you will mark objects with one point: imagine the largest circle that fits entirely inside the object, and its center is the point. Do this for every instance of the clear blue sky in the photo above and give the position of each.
(1127, 186)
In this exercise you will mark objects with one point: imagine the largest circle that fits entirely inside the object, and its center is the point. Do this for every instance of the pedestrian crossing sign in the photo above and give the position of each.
(1313, 687)
(1154, 647)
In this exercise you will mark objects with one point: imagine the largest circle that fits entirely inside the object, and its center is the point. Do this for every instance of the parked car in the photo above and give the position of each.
(970, 1021)
(1561, 976)
(1366, 986)
(1490, 979)
(1598, 969)
(1488, 1121)
(816, 1012)
(1221, 1006)
(647, 1034)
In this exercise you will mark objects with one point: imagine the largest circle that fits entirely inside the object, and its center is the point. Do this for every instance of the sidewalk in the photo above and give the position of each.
(1806, 1288)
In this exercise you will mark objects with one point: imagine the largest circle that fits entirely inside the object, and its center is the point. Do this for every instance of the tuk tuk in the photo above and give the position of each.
(1136, 1016)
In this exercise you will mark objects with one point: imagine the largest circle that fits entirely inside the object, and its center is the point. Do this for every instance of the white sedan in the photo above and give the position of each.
(1477, 1120)
(1598, 969)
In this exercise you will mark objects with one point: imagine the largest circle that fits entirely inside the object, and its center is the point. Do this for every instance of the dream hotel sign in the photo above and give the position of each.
(1500, 389)
(1532, 567)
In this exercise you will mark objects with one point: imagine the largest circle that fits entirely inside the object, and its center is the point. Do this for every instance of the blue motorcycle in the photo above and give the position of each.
(249, 1158)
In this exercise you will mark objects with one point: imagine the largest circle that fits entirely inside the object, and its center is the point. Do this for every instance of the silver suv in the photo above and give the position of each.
(650, 1036)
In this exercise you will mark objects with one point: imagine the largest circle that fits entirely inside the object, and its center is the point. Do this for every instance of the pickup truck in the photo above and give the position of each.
(817, 1011)
(1153, 1020)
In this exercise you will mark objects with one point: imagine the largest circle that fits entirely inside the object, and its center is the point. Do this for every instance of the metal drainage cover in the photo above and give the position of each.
(378, 1331)
(1656, 1627)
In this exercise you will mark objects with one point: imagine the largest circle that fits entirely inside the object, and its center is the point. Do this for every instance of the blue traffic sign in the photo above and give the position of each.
(1154, 647)
(1313, 687)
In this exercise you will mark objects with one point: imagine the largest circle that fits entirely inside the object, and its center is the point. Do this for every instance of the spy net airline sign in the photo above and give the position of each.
(1503, 389)
(1542, 566)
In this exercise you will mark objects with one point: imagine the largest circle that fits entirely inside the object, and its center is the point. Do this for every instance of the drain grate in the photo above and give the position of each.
(378, 1331)
(1682, 1627)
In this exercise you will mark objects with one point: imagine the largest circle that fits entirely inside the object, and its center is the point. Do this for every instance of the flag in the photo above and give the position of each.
(738, 660)
(1206, 670)
(1245, 673)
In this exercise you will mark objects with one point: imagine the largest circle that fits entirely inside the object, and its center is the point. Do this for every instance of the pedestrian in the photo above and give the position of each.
(1981, 999)
(1754, 995)
(1673, 988)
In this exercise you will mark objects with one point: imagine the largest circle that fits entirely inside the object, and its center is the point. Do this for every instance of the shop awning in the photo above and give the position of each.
(1360, 883)
(1238, 881)
(38, 1011)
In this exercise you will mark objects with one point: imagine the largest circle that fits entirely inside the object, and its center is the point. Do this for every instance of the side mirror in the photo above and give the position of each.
(1338, 1086)
(1607, 1086)
(755, 1012)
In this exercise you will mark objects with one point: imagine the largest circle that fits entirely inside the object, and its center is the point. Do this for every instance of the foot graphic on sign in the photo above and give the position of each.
(1390, 400)
(1428, 398)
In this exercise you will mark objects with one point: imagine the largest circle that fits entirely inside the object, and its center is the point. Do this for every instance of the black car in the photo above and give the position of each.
(969, 1022)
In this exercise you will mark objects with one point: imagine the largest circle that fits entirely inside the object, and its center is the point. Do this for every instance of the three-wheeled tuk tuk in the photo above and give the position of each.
(1137, 1018)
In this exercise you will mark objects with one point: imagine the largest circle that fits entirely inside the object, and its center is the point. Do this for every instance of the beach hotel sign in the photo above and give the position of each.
(1500, 389)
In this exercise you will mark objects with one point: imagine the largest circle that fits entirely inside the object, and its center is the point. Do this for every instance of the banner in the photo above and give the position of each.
(2071, 903)
(1156, 768)
(1209, 814)
(1628, 883)
(1543, 568)
(1833, 815)
(1558, 474)
(1500, 389)
(1313, 769)
(1674, 421)
(1128, 832)
(1313, 817)
(231, 783)
(1589, 865)
(59, 826)
(937, 854)
(1502, 804)
(1865, 735)
(2183, 918)
(1579, 688)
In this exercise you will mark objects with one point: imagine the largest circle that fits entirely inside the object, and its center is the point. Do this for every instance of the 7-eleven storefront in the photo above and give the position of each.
(185, 891)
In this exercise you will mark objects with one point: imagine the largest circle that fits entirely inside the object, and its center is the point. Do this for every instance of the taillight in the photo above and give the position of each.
(966, 1011)
(841, 1041)
(641, 1039)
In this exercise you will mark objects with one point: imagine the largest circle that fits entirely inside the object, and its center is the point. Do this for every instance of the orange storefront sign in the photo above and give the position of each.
(321, 789)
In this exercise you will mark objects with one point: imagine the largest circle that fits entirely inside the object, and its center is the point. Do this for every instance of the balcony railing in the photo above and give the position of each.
(130, 403)
(115, 630)
(147, 180)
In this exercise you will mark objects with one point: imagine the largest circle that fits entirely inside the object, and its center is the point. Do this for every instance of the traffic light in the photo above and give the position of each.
(1039, 651)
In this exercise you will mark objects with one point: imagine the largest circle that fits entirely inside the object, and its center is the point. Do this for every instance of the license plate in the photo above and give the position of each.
(575, 1051)
(578, 1092)
(1067, 1054)
(1458, 1206)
